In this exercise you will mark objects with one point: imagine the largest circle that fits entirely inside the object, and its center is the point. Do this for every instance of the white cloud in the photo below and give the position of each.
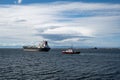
(30, 23)
(19, 1)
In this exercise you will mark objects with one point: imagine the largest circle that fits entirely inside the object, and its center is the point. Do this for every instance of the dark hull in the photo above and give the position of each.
(37, 49)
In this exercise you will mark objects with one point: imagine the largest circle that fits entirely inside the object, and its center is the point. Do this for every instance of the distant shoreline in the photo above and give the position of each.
(63, 48)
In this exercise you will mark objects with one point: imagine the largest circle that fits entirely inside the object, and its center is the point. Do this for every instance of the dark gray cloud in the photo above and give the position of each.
(60, 37)
(21, 20)
(88, 13)
(43, 29)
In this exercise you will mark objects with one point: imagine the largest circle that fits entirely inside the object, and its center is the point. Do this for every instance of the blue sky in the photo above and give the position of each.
(47, 1)
(83, 23)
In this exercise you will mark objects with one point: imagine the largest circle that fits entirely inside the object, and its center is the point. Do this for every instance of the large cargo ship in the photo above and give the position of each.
(41, 47)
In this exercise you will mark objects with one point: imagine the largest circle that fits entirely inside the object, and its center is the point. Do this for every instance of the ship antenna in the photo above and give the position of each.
(71, 46)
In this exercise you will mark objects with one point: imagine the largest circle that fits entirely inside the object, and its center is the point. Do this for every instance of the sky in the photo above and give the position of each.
(81, 23)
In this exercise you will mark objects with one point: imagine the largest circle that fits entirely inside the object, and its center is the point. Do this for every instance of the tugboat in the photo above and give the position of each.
(70, 51)
(41, 47)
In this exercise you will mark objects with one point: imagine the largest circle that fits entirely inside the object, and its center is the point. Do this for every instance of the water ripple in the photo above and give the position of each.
(16, 64)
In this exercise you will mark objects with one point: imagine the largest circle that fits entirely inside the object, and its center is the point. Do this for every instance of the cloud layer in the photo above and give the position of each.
(61, 23)
(19, 1)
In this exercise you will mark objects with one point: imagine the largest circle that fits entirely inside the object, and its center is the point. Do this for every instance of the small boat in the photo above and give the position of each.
(70, 51)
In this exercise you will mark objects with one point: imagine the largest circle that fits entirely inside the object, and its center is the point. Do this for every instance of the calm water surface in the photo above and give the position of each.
(91, 64)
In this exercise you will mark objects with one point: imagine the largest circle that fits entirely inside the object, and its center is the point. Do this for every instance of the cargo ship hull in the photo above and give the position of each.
(37, 49)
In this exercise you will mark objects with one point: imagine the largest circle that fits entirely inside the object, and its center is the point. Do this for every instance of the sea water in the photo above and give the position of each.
(90, 64)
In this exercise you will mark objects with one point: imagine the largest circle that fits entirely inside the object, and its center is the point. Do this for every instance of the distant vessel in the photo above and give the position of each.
(41, 47)
(95, 48)
(70, 51)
